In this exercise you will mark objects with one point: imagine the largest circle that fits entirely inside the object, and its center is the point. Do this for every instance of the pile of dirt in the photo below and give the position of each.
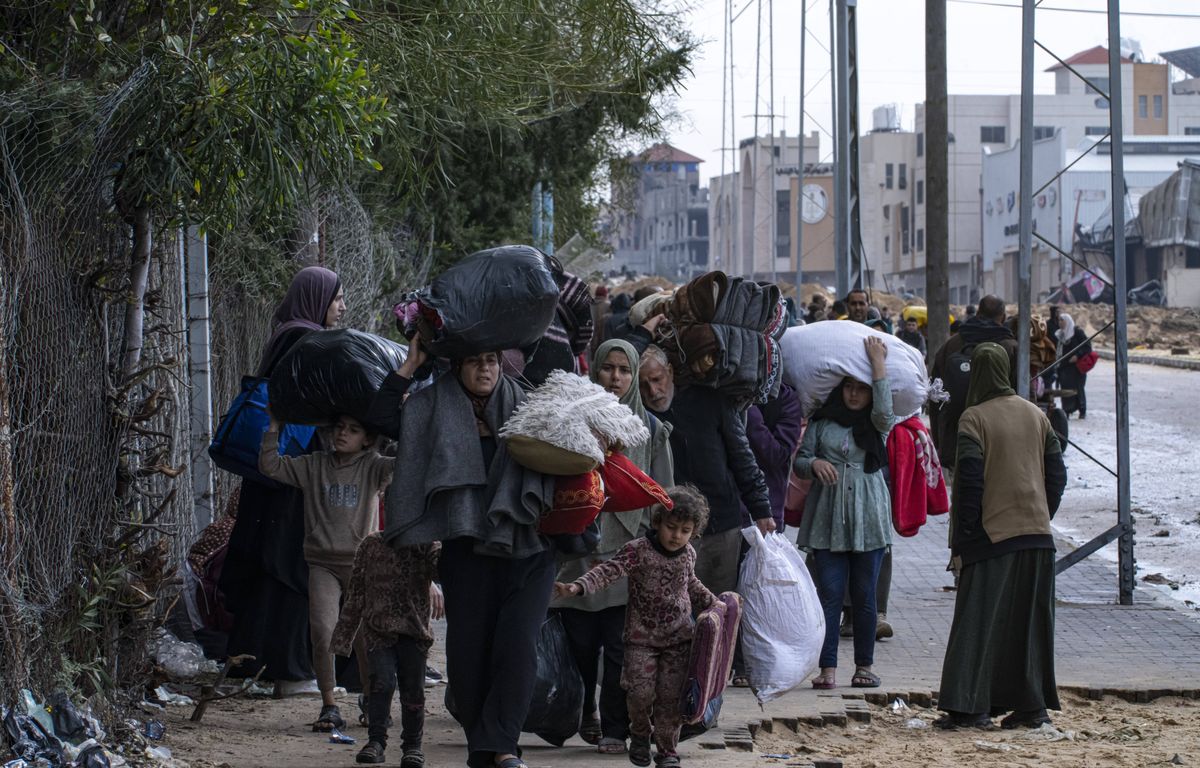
(631, 286)
(1110, 732)
(1149, 328)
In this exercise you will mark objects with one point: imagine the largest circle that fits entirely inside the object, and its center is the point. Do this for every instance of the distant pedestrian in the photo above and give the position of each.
(1007, 486)
(912, 335)
(818, 309)
(1072, 344)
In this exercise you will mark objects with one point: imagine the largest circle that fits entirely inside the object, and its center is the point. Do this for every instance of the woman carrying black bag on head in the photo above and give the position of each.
(265, 576)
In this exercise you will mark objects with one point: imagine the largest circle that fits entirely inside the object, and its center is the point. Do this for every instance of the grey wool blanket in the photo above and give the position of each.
(441, 489)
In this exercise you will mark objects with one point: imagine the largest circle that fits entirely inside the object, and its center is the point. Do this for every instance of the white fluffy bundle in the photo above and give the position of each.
(568, 411)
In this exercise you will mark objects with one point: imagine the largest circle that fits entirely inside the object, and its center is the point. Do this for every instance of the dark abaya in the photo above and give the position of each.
(265, 576)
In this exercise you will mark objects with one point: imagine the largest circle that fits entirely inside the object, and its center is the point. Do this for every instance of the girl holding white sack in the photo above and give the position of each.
(847, 516)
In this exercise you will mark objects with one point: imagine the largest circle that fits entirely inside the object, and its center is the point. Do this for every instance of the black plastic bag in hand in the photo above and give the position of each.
(329, 373)
(557, 703)
(501, 298)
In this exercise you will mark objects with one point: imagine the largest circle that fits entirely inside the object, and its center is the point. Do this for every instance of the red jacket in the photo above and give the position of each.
(917, 486)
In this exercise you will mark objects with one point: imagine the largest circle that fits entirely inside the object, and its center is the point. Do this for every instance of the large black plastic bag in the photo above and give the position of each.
(557, 703)
(329, 373)
(501, 298)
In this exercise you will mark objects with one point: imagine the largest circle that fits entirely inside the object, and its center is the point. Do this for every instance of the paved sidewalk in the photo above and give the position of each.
(1139, 651)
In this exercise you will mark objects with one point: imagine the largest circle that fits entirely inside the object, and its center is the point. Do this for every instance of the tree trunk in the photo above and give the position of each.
(135, 302)
(12, 629)
(937, 185)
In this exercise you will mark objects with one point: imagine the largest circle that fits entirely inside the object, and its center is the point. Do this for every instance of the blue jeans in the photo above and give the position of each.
(861, 569)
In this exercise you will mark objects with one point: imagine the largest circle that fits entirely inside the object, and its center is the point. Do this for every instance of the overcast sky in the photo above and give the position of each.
(983, 52)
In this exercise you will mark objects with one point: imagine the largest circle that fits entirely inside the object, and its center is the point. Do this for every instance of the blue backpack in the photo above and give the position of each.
(238, 438)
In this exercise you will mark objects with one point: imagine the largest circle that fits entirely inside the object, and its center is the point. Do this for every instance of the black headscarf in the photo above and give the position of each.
(865, 434)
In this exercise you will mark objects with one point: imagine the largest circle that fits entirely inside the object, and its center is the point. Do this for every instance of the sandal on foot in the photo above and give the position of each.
(667, 761)
(413, 758)
(611, 746)
(740, 681)
(864, 678)
(823, 683)
(372, 753)
(952, 721)
(639, 751)
(589, 731)
(329, 719)
(1031, 719)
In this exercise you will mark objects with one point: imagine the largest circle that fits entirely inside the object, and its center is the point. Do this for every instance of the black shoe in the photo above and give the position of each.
(952, 721)
(413, 758)
(1035, 718)
(639, 751)
(372, 753)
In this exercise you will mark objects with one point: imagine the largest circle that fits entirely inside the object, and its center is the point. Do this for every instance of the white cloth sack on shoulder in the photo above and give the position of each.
(817, 357)
(783, 624)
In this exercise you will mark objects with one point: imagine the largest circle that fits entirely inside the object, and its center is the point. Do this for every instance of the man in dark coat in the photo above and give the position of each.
(711, 451)
(911, 335)
(987, 324)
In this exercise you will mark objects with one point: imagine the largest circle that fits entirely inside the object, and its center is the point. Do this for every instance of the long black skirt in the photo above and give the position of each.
(1000, 655)
(265, 582)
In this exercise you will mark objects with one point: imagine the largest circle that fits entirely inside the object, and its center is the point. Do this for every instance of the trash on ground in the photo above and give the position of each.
(899, 707)
(154, 730)
(915, 723)
(989, 746)
(180, 660)
(1047, 732)
(337, 737)
(170, 698)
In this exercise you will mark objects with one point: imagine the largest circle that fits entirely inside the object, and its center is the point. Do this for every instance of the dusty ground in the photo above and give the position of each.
(1110, 733)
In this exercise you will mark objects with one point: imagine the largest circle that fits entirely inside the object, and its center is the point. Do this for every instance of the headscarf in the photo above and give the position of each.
(639, 455)
(1065, 334)
(304, 306)
(865, 434)
(989, 374)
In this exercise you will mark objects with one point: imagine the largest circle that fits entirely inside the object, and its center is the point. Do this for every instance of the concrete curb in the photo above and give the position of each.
(1165, 362)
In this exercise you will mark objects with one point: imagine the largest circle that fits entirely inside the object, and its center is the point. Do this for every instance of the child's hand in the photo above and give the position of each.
(437, 603)
(877, 354)
(825, 472)
(565, 590)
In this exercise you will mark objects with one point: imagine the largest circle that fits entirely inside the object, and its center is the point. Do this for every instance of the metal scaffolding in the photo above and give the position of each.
(1122, 531)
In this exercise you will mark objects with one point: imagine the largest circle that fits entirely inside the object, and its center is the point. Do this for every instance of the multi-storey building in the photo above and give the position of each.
(658, 221)
(982, 124)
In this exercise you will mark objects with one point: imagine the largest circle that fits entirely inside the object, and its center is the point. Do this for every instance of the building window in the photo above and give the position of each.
(904, 229)
(1096, 130)
(887, 244)
(992, 134)
(920, 240)
(1192, 259)
(1102, 83)
(887, 175)
(920, 145)
(1041, 132)
(903, 176)
(1143, 110)
(1192, 130)
(1158, 107)
(920, 191)
(887, 213)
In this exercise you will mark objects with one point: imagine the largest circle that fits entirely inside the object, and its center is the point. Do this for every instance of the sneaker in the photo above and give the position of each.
(433, 677)
(286, 688)
(883, 629)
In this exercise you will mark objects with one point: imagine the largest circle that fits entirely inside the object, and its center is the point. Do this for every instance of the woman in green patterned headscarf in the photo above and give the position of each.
(595, 623)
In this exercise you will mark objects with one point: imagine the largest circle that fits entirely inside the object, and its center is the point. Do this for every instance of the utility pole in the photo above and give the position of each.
(800, 169)
(937, 176)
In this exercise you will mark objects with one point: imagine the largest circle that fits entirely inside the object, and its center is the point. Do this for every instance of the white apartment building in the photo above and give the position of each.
(980, 124)
(744, 204)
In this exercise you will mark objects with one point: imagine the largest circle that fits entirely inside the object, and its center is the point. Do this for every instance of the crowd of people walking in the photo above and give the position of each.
(312, 570)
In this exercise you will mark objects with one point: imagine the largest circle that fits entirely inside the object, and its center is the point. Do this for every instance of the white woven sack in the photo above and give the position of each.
(817, 357)
(783, 624)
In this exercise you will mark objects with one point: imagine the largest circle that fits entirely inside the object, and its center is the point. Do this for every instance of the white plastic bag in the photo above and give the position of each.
(783, 624)
(817, 357)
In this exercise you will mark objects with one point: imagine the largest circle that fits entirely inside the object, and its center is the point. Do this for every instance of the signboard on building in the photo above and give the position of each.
(1001, 198)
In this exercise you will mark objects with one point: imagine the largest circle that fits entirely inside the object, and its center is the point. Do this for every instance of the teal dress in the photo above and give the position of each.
(855, 514)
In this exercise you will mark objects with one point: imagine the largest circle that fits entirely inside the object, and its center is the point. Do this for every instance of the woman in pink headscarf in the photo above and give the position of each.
(265, 577)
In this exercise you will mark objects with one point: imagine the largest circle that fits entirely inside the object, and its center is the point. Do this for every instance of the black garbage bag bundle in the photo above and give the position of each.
(28, 740)
(556, 706)
(501, 298)
(329, 373)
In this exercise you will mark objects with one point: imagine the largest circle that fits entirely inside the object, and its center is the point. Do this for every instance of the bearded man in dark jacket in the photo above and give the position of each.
(987, 324)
